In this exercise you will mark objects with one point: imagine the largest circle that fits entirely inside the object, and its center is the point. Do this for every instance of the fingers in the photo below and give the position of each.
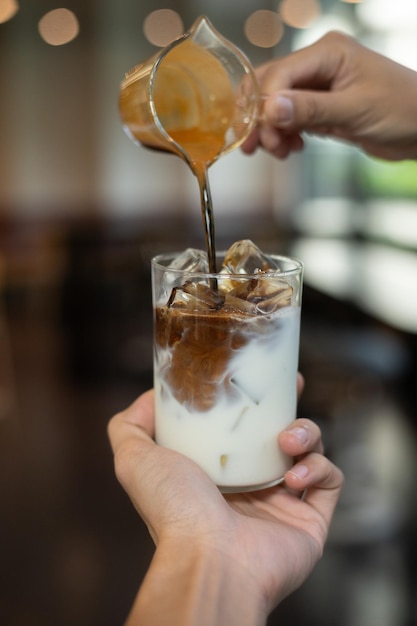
(313, 473)
(137, 462)
(300, 384)
(136, 421)
(130, 433)
(315, 67)
(301, 437)
(304, 91)
(277, 141)
(251, 143)
(280, 144)
(320, 480)
(311, 111)
(314, 470)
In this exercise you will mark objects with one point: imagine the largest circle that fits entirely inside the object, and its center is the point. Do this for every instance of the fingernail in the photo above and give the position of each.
(301, 434)
(300, 471)
(284, 112)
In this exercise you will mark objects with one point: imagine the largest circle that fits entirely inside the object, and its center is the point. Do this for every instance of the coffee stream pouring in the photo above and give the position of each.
(197, 98)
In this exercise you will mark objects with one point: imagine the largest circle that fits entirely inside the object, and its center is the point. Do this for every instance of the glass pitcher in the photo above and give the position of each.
(197, 98)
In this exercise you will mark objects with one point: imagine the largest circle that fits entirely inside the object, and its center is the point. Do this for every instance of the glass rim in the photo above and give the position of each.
(157, 262)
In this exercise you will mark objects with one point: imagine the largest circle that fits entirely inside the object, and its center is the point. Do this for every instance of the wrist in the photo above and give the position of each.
(191, 584)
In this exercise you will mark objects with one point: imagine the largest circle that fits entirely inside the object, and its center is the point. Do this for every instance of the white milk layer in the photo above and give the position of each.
(235, 442)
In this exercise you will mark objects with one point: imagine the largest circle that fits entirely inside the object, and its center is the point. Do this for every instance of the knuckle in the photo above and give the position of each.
(314, 111)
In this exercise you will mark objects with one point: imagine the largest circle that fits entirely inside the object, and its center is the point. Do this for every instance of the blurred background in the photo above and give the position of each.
(82, 210)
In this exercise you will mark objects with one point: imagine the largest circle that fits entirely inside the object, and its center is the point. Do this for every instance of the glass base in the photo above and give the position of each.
(246, 488)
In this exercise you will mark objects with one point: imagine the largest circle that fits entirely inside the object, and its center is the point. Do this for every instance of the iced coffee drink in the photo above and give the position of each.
(226, 357)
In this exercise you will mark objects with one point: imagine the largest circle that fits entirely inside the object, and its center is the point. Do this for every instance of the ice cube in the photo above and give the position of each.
(236, 295)
(244, 257)
(255, 291)
(269, 295)
(259, 296)
(191, 260)
(196, 296)
(235, 304)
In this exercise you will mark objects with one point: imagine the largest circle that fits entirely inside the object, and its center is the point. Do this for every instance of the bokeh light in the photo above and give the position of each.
(8, 8)
(264, 28)
(389, 16)
(58, 27)
(163, 26)
(299, 13)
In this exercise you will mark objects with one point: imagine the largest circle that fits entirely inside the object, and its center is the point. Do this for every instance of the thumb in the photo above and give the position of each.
(300, 110)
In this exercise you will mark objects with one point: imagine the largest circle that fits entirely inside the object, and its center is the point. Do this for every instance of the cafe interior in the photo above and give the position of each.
(82, 211)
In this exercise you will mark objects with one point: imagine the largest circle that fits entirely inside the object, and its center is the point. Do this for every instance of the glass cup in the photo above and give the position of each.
(225, 367)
